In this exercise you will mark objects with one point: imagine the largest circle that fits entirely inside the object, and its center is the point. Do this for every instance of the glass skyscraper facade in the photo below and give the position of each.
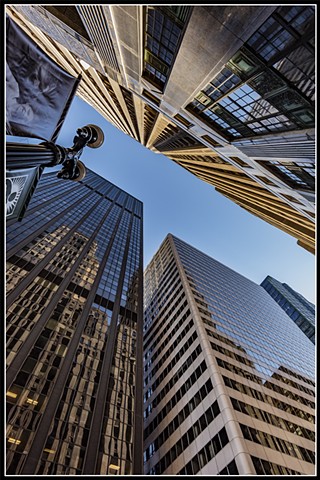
(299, 309)
(228, 377)
(74, 331)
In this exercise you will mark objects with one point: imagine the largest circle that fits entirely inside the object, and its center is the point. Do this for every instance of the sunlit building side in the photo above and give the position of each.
(74, 331)
(228, 377)
(227, 92)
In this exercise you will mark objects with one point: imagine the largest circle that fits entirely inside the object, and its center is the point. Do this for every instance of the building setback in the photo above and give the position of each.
(299, 309)
(225, 91)
(228, 377)
(74, 331)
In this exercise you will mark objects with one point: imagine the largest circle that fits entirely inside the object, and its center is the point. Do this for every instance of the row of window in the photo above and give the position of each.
(162, 39)
(113, 265)
(249, 97)
(152, 313)
(289, 394)
(219, 337)
(56, 214)
(277, 444)
(230, 469)
(235, 310)
(296, 385)
(163, 298)
(205, 455)
(116, 444)
(235, 356)
(172, 347)
(292, 173)
(184, 413)
(175, 399)
(163, 261)
(154, 286)
(296, 375)
(270, 356)
(272, 419)
(22, 318)
(240, 387)
(235, 345)
(132, 279)
(52, 194)
(113, 193)
(46, 243)
(176, 326)
(269, 385)
(163, 318)
(155, 290)
(281, 299)
(116, 459)
(263, 467)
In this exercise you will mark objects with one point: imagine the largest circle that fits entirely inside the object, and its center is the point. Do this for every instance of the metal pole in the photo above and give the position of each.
(49, 154)
(24, 155)
(26, 162)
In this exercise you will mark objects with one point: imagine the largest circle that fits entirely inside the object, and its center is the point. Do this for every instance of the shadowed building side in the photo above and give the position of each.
(74, 331)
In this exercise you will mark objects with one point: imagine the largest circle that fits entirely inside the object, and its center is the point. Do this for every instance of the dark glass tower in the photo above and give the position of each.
(299, 309)
(228, 377)
(74, 331)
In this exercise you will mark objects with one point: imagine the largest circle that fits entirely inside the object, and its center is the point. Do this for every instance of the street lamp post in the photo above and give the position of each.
(22, 159)
(49, 154)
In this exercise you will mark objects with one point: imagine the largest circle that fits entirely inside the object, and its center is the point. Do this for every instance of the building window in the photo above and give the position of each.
(240, 162)
(299, 176)
(151, 97)
(274, 35)
(164, 30)
(162, 38)
(230, 469)
(249, 97)
(263, 467)
(211, 141)
(270, 441)
(210, 450)
(68, 16)
(183, 120)
(266, 180)
(220, 85)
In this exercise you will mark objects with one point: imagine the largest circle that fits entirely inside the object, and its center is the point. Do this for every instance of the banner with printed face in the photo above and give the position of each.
(38, 91)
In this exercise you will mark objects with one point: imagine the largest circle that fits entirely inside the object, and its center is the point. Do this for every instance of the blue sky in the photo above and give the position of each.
(175, 201)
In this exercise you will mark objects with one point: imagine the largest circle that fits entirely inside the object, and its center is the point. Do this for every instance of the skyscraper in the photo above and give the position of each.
(225, 91)
(74, 331)
(228, 377)
(299, 309)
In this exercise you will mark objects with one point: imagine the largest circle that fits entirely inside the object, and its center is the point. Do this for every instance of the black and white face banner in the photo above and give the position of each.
(38, 91)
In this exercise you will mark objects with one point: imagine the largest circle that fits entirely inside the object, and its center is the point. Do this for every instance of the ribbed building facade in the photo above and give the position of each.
(74, 331)
(228, 377)
(298, 308)
(227, 92)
